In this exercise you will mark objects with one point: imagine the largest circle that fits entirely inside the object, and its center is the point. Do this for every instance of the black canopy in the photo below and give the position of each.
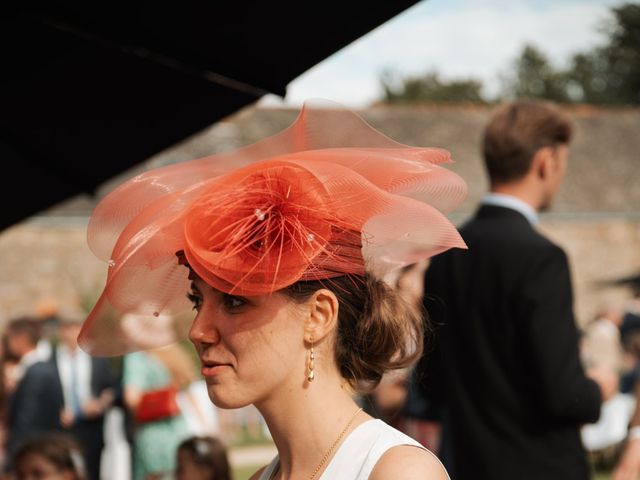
(89, 89)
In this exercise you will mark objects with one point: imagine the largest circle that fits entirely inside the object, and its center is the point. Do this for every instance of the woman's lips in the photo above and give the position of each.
(213, 369)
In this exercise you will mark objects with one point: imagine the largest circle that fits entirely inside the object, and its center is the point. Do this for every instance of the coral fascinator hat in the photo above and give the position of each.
(329, 196)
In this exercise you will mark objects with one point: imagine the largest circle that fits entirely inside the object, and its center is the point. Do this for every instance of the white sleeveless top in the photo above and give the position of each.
(359, 453)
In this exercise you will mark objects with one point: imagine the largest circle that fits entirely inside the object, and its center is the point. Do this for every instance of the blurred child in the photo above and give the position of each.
(51, 457)
(202, 458)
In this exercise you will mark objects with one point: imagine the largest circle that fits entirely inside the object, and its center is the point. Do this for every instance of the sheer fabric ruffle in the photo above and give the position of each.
(328, 196)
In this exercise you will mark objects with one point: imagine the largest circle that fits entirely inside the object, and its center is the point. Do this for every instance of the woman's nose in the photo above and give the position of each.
(203, 330)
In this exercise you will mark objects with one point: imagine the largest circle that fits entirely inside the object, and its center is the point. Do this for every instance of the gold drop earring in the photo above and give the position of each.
(310, 374)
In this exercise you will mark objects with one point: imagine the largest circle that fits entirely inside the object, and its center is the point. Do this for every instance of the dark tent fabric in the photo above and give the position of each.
(90, 89)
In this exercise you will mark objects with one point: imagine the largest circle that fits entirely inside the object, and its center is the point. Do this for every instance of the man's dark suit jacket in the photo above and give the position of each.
(90, 433)
(505, 362)
(34, 407)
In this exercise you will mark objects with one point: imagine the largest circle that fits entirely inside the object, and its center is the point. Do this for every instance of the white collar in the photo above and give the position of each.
(514, 203)
(29, 359)
(64, 350)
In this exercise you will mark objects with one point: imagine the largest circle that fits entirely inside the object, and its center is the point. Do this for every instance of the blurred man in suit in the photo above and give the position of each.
(628, 467)
(35, 405)
(87, 386)
(505, 363)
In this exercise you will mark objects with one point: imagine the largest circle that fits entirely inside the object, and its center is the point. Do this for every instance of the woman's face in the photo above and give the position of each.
(34, 466)
(249, 347)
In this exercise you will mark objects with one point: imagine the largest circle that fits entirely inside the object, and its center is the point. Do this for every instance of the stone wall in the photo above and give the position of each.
(44, 264)
(598, 251)
(596, 216)
(602, 174)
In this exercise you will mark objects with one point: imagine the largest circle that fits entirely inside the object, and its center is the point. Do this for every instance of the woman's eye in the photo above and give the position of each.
(232, 302)
(195, 300)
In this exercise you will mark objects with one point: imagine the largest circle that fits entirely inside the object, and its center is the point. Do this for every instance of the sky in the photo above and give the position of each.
(458, 39)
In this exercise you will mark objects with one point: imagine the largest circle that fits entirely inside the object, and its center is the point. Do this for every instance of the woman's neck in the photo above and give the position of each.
(306, 422)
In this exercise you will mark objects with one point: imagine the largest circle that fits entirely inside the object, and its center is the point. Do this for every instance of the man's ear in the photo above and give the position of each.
(323, 315)
(543, 162)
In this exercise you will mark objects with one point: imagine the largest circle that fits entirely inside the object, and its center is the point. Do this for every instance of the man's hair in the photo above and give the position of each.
(25, 326)
(516, 132)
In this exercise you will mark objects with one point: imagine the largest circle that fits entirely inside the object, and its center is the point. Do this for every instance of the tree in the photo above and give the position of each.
(534, 77)
(622, 55)
(430, 88)
(606, 75)
(587, 82)
(611, 74)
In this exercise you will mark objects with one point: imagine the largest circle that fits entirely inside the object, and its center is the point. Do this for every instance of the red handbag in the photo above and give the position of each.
(157, 404)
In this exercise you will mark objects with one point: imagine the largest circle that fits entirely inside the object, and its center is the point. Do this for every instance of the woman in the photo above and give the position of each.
(50, 456)
(285, 242)
(161, 373)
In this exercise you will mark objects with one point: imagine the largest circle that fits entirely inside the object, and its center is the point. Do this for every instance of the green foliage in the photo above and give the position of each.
(586, 76)
(244, 473)
(431, 88)
(534, 77)
(622, 55)
(607, 75)
(611, 74)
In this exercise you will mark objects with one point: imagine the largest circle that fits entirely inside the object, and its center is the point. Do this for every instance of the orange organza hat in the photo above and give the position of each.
(328, 196)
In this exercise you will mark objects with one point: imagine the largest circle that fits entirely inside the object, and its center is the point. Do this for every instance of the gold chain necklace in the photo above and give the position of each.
(335, 443)
(329, 452)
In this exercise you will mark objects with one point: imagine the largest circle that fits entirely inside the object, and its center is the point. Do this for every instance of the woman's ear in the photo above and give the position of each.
(323, 315)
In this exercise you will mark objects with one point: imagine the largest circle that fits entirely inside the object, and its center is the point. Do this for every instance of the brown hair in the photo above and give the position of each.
(28, 326)
(58, 449)
(377, 329)
(516, 132)
(208, 452)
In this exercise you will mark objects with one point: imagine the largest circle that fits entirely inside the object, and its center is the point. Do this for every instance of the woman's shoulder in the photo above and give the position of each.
(394, 448)
(417, 463)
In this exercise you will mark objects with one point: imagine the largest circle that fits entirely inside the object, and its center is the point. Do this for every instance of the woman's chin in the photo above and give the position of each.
(221, 400)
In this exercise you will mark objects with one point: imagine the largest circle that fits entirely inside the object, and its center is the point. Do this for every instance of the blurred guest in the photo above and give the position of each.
(201, 415)
(389, 397)
(601, 342)
(51, 457)
(202, 458)
(9, 370)
(7, 386)
(35, 405)
(630, 322)
(88, 390)
(47, 312)
(151, 382)
(506, 365)
(628, 467)
(600, 348)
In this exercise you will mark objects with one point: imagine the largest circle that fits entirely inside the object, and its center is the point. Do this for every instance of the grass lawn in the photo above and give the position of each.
(602, 476)
(243, 473)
